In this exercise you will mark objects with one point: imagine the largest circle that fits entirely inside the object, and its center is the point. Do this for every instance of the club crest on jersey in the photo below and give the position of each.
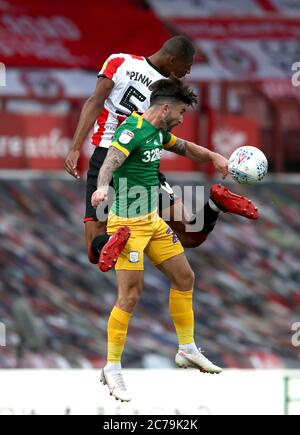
(133, 257)
(126, 136)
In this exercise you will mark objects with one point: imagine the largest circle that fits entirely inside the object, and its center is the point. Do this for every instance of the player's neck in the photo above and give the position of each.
(158, 62)
(153, 117)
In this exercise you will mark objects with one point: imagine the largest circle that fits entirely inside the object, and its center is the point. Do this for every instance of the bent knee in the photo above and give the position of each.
(185, 281)
(190, 279)
(128, 302)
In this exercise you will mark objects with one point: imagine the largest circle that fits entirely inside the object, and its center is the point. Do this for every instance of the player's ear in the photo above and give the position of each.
(165, 109)
(172, 60)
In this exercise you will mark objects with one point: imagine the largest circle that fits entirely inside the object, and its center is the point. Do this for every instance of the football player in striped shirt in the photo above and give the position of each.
(123, 86)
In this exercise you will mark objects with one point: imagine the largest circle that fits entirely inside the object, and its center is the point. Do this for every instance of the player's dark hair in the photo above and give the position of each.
(172, 89)
(180, 47)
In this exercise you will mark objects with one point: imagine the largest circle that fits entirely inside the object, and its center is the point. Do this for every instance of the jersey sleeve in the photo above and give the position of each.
(111, 66)
(125, 139)
(169, 140)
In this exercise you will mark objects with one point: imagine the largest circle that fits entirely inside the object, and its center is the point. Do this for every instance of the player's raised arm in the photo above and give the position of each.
(113, 161)
(201, 154)
(89, 113)
(124, 142)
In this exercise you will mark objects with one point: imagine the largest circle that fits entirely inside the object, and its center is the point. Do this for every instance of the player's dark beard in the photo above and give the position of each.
(171, 123)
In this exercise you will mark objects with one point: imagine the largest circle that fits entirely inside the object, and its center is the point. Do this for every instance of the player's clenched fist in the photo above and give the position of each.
(100, 195)
(71, 163)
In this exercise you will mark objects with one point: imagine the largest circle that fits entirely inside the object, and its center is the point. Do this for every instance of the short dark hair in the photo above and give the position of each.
(180, 47)
(172, 89)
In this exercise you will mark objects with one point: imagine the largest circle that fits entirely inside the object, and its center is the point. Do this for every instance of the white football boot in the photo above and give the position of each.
(116, 385)
(196, 360)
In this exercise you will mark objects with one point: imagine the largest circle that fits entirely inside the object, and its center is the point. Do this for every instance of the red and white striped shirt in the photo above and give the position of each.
(132, 76)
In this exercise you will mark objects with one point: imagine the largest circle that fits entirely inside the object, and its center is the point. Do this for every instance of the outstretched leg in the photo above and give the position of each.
(221, 200)
(191, 239)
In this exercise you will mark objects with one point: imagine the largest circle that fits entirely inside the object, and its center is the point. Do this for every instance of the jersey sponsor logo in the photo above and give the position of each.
(134, 256)
(126, 136)
(139, 77)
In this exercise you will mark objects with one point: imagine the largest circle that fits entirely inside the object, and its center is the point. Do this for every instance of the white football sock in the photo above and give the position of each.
(188, 348)
(113, 367)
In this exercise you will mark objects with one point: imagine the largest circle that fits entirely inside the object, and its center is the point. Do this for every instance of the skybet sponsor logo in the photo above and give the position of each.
(2, 74)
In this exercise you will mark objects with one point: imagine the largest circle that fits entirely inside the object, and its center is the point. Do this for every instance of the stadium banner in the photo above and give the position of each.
(228, 132)
(189, 131)
(55, 83)
(206, 8)
(249, 48)
(203, 8)
(36, 142)
(234, 392)
(281, 87)
(41, 142)
(73, 35)
(232, 131)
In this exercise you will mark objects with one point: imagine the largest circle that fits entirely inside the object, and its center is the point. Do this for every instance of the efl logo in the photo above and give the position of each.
(296, 336)
(2, 74)
(2, 335)
(296, 75)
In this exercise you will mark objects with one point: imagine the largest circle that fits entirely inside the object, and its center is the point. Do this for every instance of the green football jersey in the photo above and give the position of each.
(136, 181)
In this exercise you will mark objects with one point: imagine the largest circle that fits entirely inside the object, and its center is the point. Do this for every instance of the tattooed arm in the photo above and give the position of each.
(202, 155)
(191, 150)
(113, 161)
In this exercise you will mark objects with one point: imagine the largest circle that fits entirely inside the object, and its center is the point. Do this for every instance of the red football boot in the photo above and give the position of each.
(113, 248)
(229, 202)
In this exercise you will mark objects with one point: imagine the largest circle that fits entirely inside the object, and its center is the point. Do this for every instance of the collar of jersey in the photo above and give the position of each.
(141, 120)
(155, 67)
